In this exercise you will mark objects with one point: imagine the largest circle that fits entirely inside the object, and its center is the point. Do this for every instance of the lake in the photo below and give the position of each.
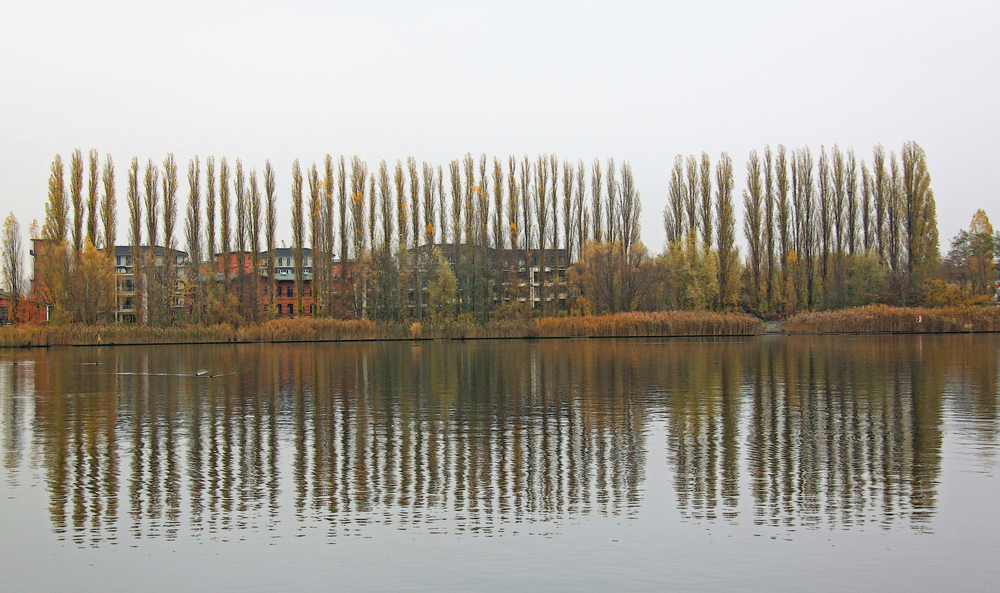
(826, 463)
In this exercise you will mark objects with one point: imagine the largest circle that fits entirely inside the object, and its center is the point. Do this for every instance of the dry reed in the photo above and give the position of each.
(663, 323)
(875, 319)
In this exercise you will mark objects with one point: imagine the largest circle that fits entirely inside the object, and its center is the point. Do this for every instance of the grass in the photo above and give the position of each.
(877, 319)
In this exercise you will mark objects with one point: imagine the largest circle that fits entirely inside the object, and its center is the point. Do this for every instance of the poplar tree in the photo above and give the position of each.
(611, 204)
(169, 202)
(839, 172)
(471, 212)
(893, 213)
(372, 205)
(706, 201)
(270, 230)
(385, 203)
(691, 196)
(920, 214)
(526, 202)
(210, 213)
(456, 202)
(225, 234)
(135, 235)
(567, 218)
(429, 187)
(240, 239)
(442, 207)
(630, 209)
(674, 214)
(169, 280)
(76, 196)
(481, 195)
(255, 223)
(316, 237)
(825, 213)
(805, 208)
(12, 249)
(240, 243)
(92, 197)
(880, 197)
(151, 282)
(192, 233)
(109, 213)
(784, 236)
(512, 202)
(554, 196)
(152, 197)
(402, 215)
(597, 207)
(725, 231)
(770, 273)
(56, 208)
(866, 210)
(578, 209)
(499, 232)
(542, 205)
(851, 190)
(342, 209)
(359, 177)
(752, 202)
(414, 175)
(329, 214)
(298, 233)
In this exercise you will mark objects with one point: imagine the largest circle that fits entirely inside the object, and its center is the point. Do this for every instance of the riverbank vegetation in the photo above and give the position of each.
(876, 319)
(633, 324)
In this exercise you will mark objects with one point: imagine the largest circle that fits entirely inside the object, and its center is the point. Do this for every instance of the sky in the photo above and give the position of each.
(636, 81)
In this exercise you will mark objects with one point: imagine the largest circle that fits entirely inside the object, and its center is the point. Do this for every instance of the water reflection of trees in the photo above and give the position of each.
(472, 437)
(486, 436)
(839, 431)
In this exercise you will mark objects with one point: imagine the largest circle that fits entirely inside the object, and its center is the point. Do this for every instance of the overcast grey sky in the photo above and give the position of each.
(639, 81)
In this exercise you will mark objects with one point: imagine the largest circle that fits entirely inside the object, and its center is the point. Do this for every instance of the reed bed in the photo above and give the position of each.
(658, 323)
(877, 319)
(663, 323)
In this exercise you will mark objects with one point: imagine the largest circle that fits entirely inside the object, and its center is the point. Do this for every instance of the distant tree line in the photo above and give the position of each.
(819, 233)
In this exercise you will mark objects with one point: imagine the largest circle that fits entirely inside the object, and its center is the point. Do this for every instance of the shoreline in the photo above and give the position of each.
(870, 320)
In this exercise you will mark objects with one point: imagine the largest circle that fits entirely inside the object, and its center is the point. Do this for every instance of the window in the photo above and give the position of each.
(279, 294)
(291, 309)
(279, 309)
(291, 292)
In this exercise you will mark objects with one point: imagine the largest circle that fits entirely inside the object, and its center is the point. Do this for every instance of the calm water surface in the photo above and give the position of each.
(762, 464)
